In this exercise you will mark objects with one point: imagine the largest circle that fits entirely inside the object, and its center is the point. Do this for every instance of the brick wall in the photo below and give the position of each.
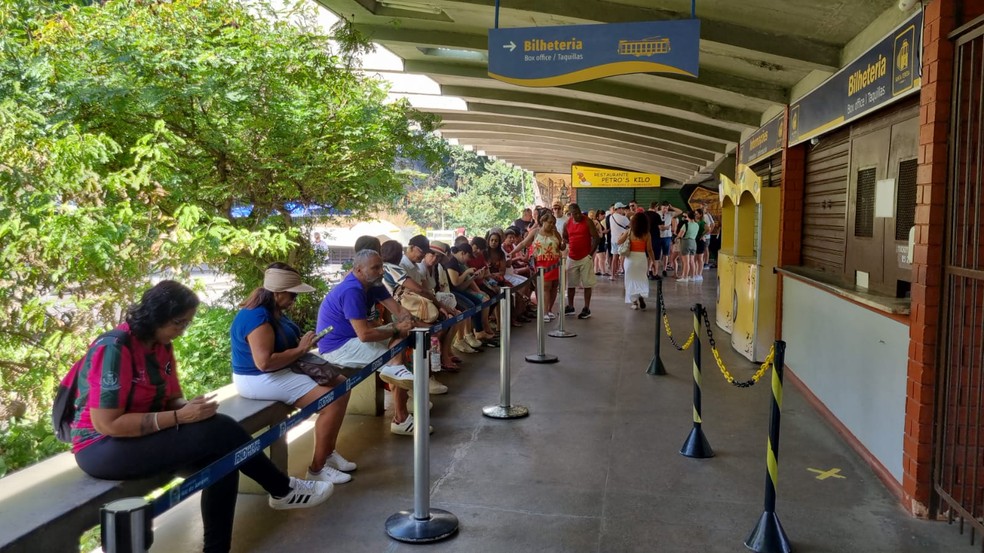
(934, 115)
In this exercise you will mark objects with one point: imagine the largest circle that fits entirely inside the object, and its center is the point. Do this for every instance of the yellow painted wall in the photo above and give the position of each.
(726, 291)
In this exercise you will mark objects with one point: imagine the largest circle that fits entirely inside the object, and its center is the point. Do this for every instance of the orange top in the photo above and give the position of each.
(637, 245)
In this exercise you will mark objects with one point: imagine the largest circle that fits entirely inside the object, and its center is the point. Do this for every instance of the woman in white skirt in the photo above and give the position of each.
(637, 261)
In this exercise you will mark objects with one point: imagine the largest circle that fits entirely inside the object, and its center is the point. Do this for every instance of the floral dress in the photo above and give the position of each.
(546, 252)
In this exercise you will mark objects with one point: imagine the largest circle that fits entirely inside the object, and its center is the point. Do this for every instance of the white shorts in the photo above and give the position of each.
(581, 273)
(284, 385)
(355, 353)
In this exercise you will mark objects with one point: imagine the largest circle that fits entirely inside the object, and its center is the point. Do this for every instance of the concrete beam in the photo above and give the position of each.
(610, 91)
(790, 50)
(601, 123)
(544, 137)
(651, 141)
(560, 103)
(708, 78)
(562, 157)
(550, 132)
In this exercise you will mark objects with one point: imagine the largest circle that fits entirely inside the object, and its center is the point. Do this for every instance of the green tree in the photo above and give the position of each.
(129, 132)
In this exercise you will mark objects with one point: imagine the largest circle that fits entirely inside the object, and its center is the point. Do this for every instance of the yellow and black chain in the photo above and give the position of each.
(666, 324)
(724, 370)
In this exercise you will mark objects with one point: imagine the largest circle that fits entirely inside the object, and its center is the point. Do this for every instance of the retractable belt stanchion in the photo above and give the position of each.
(696, 445)
(541, 355)
(127, 526)
(656, 365)
(504, 410)
(561, 332)
(768, 535)
(423, 524)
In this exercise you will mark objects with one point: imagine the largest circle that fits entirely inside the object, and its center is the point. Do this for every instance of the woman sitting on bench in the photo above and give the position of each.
(133, 422)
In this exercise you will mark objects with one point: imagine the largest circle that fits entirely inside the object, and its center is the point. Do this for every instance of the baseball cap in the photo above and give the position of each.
(420, 241)
(280, 280)
(619, 205)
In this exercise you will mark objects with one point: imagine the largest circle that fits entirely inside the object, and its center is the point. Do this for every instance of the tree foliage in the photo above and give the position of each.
(469, 191)
(129, 133)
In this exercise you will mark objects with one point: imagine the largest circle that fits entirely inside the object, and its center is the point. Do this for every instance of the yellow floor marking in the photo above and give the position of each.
(825, 474)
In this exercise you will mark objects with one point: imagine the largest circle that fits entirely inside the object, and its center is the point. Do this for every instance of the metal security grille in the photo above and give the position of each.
(905, 199)
(824, 203)
(959, 471)
(864, 214)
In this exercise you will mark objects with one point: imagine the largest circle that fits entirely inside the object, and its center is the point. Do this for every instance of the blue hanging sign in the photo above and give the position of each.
(889, 70)
(554, 56)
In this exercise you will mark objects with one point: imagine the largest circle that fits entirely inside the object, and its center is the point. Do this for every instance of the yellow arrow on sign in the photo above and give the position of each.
(825, 474)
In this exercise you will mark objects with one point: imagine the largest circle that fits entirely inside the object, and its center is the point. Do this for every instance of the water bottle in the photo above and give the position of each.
(435, 355)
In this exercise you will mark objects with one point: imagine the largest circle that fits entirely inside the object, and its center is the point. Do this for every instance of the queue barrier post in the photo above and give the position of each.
(505, 410)
(768, 535)
(541, 356)
(656, 366)
(127, 525)
(696, 445)
(423, 524)
(561, 332)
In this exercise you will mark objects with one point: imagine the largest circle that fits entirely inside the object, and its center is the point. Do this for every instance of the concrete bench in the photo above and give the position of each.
(47, 506)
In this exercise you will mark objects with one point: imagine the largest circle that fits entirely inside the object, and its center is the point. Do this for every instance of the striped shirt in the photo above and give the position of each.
(122, 375)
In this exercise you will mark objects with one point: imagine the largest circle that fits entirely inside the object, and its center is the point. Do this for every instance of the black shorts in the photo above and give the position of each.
(701, 246)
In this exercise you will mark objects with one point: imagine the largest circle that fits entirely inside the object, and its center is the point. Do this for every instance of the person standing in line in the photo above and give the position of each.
(668, 215)
(709, 228)
(548, 245)
(582, 239)
(619, 226)
(525, 220)
(560, 214)
(654, 219)
(687, 236)
(636, 262)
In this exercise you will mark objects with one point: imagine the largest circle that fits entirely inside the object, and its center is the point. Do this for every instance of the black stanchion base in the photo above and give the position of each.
(696, 445)
(505, 411)
(404, 527)
(768, 536)
(656, 367)
(537, 358)
(561, 334)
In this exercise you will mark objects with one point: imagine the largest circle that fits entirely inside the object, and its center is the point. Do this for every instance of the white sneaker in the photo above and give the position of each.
(435, 387)
(698, 278)
(303, 493)
(335, 460)
(329, 474)
(405, 428)
(397, 375)
(684, 279)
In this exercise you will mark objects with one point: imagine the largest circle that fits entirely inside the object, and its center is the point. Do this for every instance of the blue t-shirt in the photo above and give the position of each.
(348, 300)
(286, 336)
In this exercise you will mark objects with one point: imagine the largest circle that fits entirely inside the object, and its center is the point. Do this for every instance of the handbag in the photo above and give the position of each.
(419, 306)
(624, 247)
(446, 299)
(320, 370)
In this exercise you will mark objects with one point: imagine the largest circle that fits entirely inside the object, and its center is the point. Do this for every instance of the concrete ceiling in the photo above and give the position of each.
(752, 54)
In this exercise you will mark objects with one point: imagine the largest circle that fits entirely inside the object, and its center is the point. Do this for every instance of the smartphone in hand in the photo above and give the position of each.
(323, 332)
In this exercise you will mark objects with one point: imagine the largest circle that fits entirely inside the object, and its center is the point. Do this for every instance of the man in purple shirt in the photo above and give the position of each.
(355, 343)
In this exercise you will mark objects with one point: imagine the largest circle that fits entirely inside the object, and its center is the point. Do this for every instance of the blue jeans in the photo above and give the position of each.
(467, 300)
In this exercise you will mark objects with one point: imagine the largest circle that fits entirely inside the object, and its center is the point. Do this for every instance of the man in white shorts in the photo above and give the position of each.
(581, 236)
(355, 343)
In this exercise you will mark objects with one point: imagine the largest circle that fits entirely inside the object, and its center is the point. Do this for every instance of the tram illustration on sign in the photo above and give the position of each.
(644, 47)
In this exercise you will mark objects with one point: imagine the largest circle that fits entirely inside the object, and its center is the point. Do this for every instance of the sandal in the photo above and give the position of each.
(456, 359)
(517, 324)
(450, 368)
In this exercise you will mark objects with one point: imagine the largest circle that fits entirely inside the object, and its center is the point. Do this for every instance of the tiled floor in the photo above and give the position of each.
(596, 466)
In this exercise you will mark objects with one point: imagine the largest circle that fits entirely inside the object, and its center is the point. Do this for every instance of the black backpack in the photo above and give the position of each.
(63, 409)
